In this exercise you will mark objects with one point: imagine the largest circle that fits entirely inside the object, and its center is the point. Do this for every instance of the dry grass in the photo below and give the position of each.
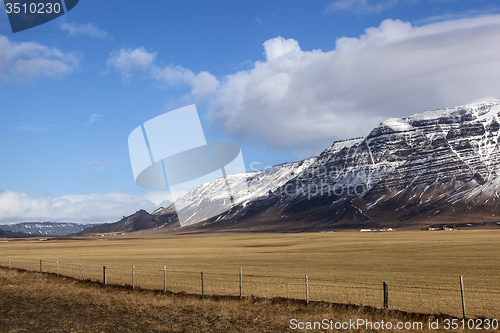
(358, 263)
(33, 302)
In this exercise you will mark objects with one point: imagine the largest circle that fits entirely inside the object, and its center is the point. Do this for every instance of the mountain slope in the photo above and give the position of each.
(140, 220)
(437, 167)
(10, 234)
(45, 228)
(441, 166)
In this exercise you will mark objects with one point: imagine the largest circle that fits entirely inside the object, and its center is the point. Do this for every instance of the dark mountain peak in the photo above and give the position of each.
(139, 214)
(140, 220)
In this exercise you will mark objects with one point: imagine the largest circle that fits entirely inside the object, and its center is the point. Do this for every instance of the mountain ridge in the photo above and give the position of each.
(440, 166)
(10, 234)
(46, 228)
(140, 220)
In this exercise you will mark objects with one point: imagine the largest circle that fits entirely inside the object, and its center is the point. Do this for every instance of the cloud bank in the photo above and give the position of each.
(28, 60)
(303, 100)
(98, 207)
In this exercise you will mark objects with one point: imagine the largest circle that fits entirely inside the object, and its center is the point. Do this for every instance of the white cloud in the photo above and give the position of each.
(361, 7)
(93, 118)
(202, 84)
(28, 60)
(303, 100)
(173, 76)
(97, 207)
(88, 29)
(279, 47)
(128, 61)
(448, 16)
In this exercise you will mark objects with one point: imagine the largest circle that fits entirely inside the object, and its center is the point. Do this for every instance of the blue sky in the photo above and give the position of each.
(283, 79)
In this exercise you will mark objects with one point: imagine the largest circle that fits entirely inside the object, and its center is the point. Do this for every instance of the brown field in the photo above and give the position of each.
(33, 302)
(422, 267)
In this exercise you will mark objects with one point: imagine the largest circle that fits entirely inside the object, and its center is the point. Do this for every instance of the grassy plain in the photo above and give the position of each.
(422, 267)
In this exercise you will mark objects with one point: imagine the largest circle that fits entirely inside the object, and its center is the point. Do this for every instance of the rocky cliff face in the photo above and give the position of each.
(450, 165)
(440, 166)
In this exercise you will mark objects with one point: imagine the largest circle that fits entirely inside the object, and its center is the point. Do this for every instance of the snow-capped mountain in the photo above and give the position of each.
(440, 166)
(249, 187)
(45, 228)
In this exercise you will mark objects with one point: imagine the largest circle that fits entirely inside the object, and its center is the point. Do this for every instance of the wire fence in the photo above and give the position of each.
(479, 301)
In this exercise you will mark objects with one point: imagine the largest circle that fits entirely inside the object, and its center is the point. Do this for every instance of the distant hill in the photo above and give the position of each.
(140, 220)
(46, 228)
(10, 234)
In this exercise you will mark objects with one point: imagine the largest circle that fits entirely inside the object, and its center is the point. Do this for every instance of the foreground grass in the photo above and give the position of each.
(34, 302)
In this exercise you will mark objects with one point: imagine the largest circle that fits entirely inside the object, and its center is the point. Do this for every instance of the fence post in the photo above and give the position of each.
(463, 296)
(164, 279)
(57, 264)
(307, 290)
(202, 291)
(80, 272)
(241, 283)
(104, 274)
(40, 266)
(10, 267)
(386, 295)
(133, 276)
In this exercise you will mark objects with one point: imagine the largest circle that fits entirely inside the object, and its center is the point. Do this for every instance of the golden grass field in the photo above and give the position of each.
(422, 267)
(33, 302)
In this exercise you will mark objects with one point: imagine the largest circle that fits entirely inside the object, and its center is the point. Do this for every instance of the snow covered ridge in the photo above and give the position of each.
(46, 228)
(434, 163)
(482, 111)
